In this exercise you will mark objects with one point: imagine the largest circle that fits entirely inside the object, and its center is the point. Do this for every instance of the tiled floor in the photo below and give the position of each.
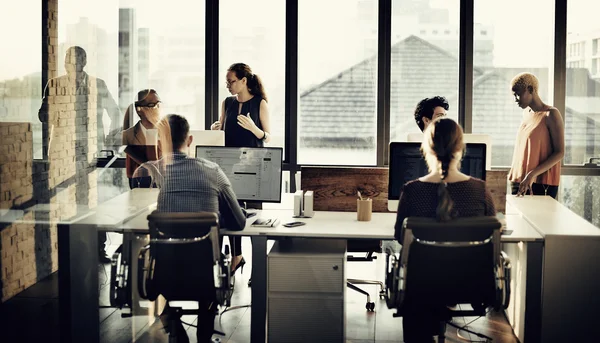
(32, 316)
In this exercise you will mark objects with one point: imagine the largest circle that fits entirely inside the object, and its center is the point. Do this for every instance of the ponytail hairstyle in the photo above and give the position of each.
(254, 82)
(442, 144)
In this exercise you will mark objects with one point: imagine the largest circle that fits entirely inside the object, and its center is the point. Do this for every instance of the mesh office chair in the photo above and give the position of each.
(369, 247)
(183, 262)
(456, 262)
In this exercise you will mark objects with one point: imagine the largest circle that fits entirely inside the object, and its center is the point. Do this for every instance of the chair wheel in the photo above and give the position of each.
(382, 294)
(370, 307)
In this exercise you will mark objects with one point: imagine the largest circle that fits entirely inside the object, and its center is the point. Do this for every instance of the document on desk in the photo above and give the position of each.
(266, 222)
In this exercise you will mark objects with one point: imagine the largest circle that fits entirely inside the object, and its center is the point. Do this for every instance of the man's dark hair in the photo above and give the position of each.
(425, 109)
(179, 128)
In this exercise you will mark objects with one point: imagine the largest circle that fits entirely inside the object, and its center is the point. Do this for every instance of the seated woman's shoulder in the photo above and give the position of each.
(411, 184)
(477, 183)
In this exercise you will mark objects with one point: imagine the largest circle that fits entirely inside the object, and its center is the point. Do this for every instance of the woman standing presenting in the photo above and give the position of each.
(540, 143)
(245, 120)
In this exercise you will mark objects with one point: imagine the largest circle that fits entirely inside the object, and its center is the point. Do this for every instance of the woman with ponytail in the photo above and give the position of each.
(445, 193)
(245, 120)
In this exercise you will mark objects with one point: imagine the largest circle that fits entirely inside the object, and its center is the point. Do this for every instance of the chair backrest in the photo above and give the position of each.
(451, 262)
(185, 248)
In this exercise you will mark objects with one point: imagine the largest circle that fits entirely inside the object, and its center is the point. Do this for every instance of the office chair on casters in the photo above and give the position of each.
(443, 263)
(369, 247)
(183, 262)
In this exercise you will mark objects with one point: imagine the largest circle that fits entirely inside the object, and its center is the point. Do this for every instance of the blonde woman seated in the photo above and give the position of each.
(444, 193)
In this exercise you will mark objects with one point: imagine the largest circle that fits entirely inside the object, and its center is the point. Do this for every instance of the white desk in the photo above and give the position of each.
(571, 269)
(78, 262)
(80, 279)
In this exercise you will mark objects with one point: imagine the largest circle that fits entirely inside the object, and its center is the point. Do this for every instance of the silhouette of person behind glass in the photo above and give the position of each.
(74, 104)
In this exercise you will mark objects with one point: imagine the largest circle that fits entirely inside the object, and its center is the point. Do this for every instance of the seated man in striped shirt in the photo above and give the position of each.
(194, 185)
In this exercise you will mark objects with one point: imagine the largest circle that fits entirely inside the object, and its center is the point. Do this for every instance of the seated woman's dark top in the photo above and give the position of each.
(420, 199)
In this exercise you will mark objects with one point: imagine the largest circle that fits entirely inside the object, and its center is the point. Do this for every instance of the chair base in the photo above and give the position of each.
(370, 306)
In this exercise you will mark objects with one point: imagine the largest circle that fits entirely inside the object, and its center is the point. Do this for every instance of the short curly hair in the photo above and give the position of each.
(523, 81)
(425, 108)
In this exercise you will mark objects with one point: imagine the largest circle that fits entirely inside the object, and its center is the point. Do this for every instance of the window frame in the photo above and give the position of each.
(465, 115)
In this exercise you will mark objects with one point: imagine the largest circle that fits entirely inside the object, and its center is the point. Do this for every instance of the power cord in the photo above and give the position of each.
(188, 324)
(469, 332)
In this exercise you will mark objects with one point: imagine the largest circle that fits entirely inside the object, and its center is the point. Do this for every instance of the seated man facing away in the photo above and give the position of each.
(194, 185)
(429, 109)
(445, 193)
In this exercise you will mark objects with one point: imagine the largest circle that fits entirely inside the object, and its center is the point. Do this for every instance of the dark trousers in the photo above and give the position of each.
(140, 182)
(536, 189)
(205, 324)
(236, 241)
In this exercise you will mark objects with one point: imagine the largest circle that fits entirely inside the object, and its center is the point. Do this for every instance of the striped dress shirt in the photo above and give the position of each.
(196, 185)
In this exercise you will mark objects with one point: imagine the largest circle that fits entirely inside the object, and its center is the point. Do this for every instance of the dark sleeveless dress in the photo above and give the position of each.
(235, 135)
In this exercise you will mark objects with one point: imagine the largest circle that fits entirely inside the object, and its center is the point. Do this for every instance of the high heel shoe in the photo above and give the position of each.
(240, 265)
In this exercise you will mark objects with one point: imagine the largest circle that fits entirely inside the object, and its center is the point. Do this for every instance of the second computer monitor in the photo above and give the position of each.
(407, 163)
(254, 173)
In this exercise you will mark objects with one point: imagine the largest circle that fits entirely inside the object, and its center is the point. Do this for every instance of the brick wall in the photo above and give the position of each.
(66, 176)
(16, 187)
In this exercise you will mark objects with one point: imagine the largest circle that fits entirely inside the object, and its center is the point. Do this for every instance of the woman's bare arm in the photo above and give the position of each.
(556, 127)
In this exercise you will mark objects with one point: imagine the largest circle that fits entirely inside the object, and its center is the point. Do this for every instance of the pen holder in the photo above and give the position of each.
(364, 208)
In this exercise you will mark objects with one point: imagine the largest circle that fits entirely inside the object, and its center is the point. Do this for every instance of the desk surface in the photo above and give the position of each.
(338, 225)
(122, 208)
(550, 217)
(128, 213)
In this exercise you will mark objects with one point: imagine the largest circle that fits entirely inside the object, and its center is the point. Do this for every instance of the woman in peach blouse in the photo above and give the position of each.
(540, 143)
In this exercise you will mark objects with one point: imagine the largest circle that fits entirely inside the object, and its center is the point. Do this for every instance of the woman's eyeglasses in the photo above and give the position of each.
(149, 105)
(229, 83)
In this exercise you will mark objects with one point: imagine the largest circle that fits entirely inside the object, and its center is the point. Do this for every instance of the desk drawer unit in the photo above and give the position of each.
(306, 288)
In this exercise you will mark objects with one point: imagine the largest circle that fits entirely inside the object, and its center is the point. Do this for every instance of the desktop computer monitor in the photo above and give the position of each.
(467, 138)
(407, 163)
(254, 173)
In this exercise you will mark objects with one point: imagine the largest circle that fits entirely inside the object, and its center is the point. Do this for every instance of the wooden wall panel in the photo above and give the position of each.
(335, 187)
(498, 186)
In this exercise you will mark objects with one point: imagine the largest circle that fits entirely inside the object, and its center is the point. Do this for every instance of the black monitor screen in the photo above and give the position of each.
(407, 163)
(254, 173)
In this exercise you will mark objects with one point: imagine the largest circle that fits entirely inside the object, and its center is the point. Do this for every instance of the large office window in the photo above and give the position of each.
(337, 82)
(508, 41)
(581, 194)
(20, 77)
(424, 60)
(582, 109)
(582, 117)
(165, 51)
(259, 43)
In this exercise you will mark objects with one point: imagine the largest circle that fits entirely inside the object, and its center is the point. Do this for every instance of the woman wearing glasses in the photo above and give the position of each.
(245, 120)
(142, 138)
